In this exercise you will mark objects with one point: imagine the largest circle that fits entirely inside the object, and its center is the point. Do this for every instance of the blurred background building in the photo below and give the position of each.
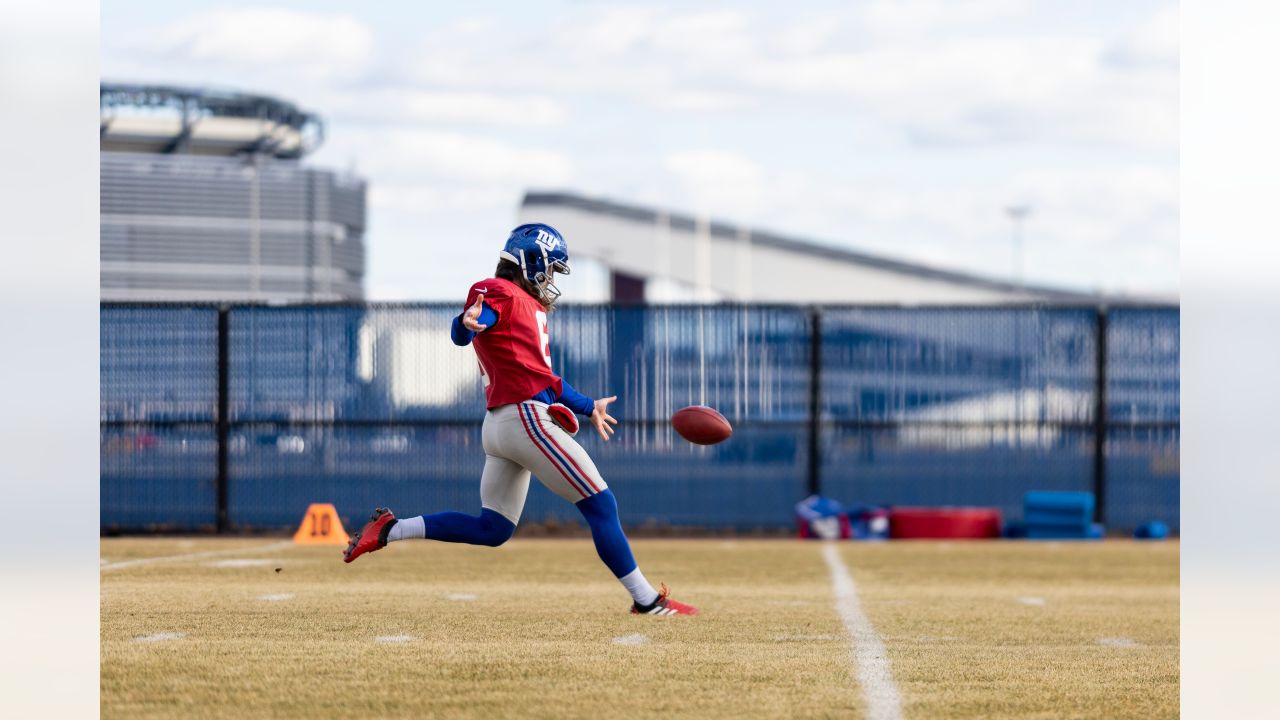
(654, 255)
(205, 196)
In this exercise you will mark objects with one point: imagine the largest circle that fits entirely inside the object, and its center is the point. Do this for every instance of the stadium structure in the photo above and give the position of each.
(204, 196)
(654, 255)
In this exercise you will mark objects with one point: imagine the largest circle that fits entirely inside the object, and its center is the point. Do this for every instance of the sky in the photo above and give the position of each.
(903, 128)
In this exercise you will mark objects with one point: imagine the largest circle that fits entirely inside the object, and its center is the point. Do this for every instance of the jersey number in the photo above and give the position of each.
(544, 339)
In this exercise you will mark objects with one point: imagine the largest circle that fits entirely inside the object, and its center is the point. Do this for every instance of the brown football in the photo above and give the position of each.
(701, 425)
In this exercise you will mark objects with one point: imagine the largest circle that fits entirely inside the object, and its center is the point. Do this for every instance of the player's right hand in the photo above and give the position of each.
(471, 318)
(600, 417)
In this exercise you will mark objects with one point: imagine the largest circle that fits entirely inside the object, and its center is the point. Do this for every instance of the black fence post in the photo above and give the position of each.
(815, 397)
(224, 419)
(1100, 421)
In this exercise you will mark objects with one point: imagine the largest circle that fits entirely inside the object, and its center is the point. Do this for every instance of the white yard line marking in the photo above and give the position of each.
(160, 637)
(1117, 642)
(930, 639)
(276, 597)
(461, 597)
(394, 638)
(883, 700)
(1031, 600)
(195, 556)
(631, 640)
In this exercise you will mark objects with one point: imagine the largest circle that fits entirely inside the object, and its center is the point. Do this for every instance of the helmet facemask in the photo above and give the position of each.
(547, 289)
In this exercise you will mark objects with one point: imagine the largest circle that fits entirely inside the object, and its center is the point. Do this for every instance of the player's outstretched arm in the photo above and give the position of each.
(601, 418)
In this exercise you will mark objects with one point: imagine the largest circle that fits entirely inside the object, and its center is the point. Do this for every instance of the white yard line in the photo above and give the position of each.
(869, 656)
(195, 556)
(631, 640)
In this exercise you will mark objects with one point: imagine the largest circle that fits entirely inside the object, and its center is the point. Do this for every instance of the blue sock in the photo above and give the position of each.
(490, 528)
(601, 512)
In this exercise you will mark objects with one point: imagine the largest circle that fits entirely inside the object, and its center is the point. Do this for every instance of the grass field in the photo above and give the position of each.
(538, 629)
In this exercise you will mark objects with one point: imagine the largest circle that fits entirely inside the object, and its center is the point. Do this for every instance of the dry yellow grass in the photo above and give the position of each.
(1026, 630)
(530, 630)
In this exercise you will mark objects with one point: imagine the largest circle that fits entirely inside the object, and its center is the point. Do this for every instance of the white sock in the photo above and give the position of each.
(414, 527)
(641, 591)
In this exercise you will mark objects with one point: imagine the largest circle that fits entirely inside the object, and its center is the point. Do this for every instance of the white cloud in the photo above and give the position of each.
(698, 101)
(425, 198)
(807, 34)
(715, 180)
(412, 105)
(991, 89)
(704, 40)
(618, 31)
(267, 40)
(1153, 43)
(452, 156)
(915, 19)
(937, 71)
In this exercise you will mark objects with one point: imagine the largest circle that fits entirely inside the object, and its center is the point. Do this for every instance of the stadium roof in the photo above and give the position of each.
(205, 121)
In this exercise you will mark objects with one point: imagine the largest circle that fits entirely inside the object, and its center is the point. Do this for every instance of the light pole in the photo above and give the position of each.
(1018, 215)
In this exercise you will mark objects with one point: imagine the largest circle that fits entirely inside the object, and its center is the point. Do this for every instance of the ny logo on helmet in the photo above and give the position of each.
(548, 241)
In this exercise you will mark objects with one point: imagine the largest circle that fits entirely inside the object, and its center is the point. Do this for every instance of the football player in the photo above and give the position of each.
(530, 423)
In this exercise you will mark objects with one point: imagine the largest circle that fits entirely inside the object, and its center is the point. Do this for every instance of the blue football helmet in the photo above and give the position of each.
(539, 250)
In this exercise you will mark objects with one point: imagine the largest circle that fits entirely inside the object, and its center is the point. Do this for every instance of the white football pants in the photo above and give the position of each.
(521, 438)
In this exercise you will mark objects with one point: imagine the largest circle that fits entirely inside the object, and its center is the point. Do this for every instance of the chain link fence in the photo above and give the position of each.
(235, 418)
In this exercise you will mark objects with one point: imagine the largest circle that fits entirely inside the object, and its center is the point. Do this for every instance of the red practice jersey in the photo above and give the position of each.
(514, 352)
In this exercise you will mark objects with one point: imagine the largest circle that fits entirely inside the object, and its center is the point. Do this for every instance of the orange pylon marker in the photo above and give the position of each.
(321, 526)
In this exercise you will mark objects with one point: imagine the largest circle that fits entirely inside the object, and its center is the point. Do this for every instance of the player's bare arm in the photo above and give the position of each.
(601, 418)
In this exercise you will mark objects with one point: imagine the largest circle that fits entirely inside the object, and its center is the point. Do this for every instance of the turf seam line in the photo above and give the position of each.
(869, 656)
(194, 556)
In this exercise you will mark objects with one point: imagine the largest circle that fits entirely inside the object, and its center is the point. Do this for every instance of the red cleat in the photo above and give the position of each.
(664, 606)
(373, 536)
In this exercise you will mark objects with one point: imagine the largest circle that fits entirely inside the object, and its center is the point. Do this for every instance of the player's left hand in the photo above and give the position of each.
(471, 318)
(601, 418)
